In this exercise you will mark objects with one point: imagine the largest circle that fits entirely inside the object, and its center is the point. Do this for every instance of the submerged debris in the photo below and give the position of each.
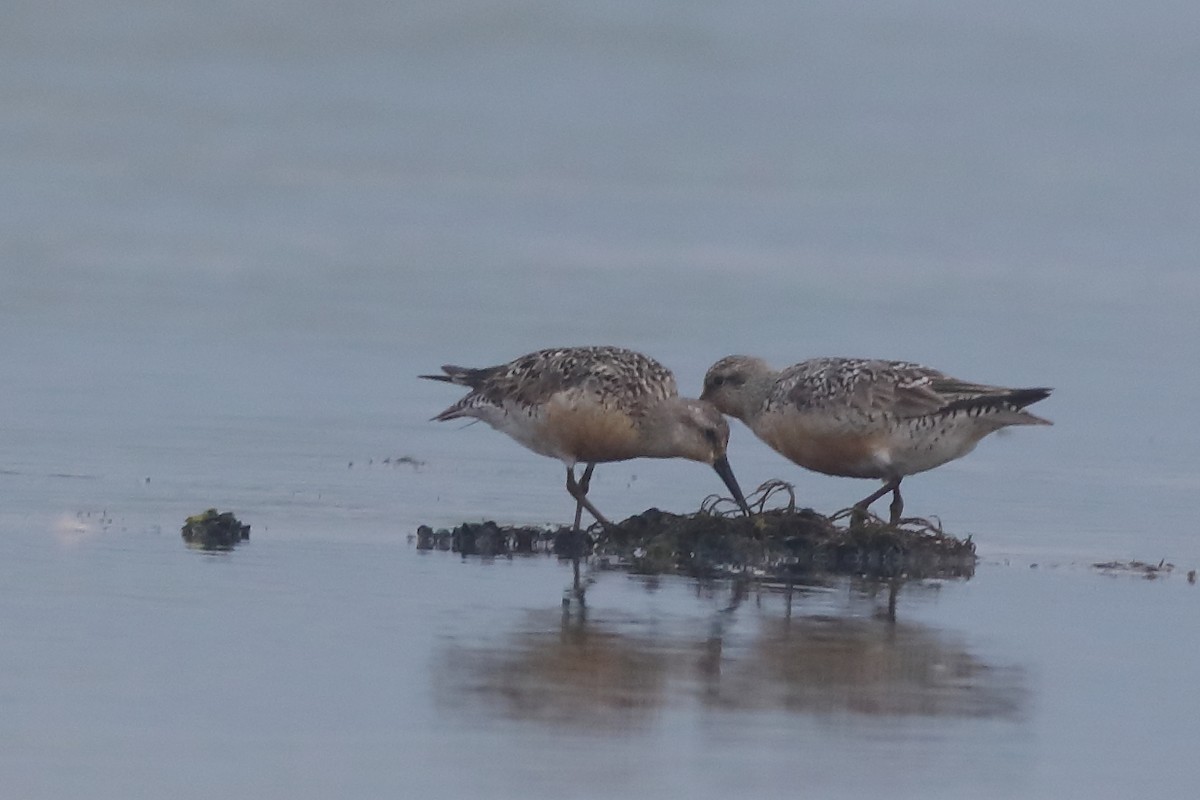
(491, 539)
(214, 531)
(1141, 568)
(777, 543)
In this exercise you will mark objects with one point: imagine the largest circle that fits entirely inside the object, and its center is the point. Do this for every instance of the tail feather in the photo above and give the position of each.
(1025, 397)
(462, 376)
(451, 374)
(1012, 400)
(1019, 398)
(453, 412)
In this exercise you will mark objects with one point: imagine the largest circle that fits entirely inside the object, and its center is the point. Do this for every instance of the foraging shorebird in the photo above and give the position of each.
(863, 418)
(591, 405)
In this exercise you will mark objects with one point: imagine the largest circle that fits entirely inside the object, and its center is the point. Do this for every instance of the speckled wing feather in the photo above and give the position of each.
(897, 388)
(612, 376)
(863, 384)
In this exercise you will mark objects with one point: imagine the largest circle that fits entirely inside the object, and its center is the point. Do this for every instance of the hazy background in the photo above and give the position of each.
(285, 210)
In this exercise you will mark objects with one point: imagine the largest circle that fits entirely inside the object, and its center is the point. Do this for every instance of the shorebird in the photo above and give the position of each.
(865, 418)
(591, 405)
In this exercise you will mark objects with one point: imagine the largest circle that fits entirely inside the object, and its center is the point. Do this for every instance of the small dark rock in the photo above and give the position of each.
(570, 543)
(464, 539)
(523, 539)
(480, 539)
(489, 540)
(425, 538)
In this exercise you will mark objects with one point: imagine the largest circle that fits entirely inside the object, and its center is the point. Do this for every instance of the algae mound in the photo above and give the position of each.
(780, 543)
(213, 530)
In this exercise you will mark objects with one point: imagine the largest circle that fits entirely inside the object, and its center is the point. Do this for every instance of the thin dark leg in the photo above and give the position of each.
(890, 486)
(584, 482)
(578, 504)
(897, 506)
(579, 492)
(893, 590)
(577, 584)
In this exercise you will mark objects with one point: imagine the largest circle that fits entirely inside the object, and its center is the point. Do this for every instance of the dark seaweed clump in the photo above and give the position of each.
(778, 543)
(784, 544)
(214, 530)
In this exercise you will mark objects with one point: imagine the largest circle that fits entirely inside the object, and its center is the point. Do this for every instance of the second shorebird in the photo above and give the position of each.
(864, 418)
(590, 405)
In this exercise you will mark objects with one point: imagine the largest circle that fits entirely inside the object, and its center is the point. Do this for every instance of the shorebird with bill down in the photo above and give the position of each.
(865, 418)
(590, 405)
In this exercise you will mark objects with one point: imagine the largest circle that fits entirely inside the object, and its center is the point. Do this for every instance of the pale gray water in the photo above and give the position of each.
(236, 232)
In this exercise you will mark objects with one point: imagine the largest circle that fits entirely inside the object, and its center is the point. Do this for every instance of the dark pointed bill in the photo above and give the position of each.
(721, 465)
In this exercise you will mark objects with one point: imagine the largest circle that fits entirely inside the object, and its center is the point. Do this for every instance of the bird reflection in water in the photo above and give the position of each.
(760, 651)
(564, 670)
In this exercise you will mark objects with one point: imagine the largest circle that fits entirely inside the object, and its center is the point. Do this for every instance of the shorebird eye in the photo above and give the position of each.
(717, 380)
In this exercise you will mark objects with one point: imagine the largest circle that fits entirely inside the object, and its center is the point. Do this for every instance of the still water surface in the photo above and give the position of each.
(236, 234)
(318, 668)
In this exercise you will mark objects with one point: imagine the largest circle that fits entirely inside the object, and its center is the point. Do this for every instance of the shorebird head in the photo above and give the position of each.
(696, 430)
(729, 384)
